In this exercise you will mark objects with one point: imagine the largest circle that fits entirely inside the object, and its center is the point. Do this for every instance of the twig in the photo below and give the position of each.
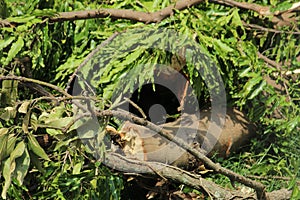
(181, 107)
(270, 62)
(23, 79)
(280, 73)
(5, 23)
(137, 107)
(258, 27)
(262, 10)
(78, 117)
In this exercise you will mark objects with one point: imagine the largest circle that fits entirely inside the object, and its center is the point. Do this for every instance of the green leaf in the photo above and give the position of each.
(10, 166)
(7, 144)
(34, 122)
(22, 166)
(258, 89)
(59, 123)
(22, 19)
(77, 168)
(18, 151)
(250, 84)
(236, 20)
(4, 43)
(285, 5)
(293, 123)
(36, 162)
(36, 148)
(54, 132)
(245, 72)
(56, 113)
(14, 50)
(45, 13)
(224, 48)
(132, 57)
(9, 113)
(3, 131)
(3, 142)
(62, 143)
(11, 144)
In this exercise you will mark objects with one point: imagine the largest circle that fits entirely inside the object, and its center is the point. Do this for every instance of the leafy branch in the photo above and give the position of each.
(158, 16)
(260, 188)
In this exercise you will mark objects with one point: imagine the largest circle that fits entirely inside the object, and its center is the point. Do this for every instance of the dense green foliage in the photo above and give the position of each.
(51, 51)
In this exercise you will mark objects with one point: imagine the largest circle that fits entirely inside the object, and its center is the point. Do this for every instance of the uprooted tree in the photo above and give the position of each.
(68, 69)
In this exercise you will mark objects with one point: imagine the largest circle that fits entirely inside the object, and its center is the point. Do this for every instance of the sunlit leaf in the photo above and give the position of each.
(24, 107)
(9, 113)
(258, 89)
(22, 19)
(15, 49)
(4, 43)
(285, 5)
(77, 168)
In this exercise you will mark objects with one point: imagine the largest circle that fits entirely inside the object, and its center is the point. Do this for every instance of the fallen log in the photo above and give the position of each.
(141, 143)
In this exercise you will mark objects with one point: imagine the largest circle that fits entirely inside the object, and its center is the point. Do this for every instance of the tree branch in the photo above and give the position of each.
(121, 163)
(258, 187)
(146, 17)
(269, 61)
(154, 17)
(23, 79)
(158, 16)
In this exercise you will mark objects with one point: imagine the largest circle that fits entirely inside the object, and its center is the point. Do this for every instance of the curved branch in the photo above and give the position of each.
(146, 17)
(155, 17)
